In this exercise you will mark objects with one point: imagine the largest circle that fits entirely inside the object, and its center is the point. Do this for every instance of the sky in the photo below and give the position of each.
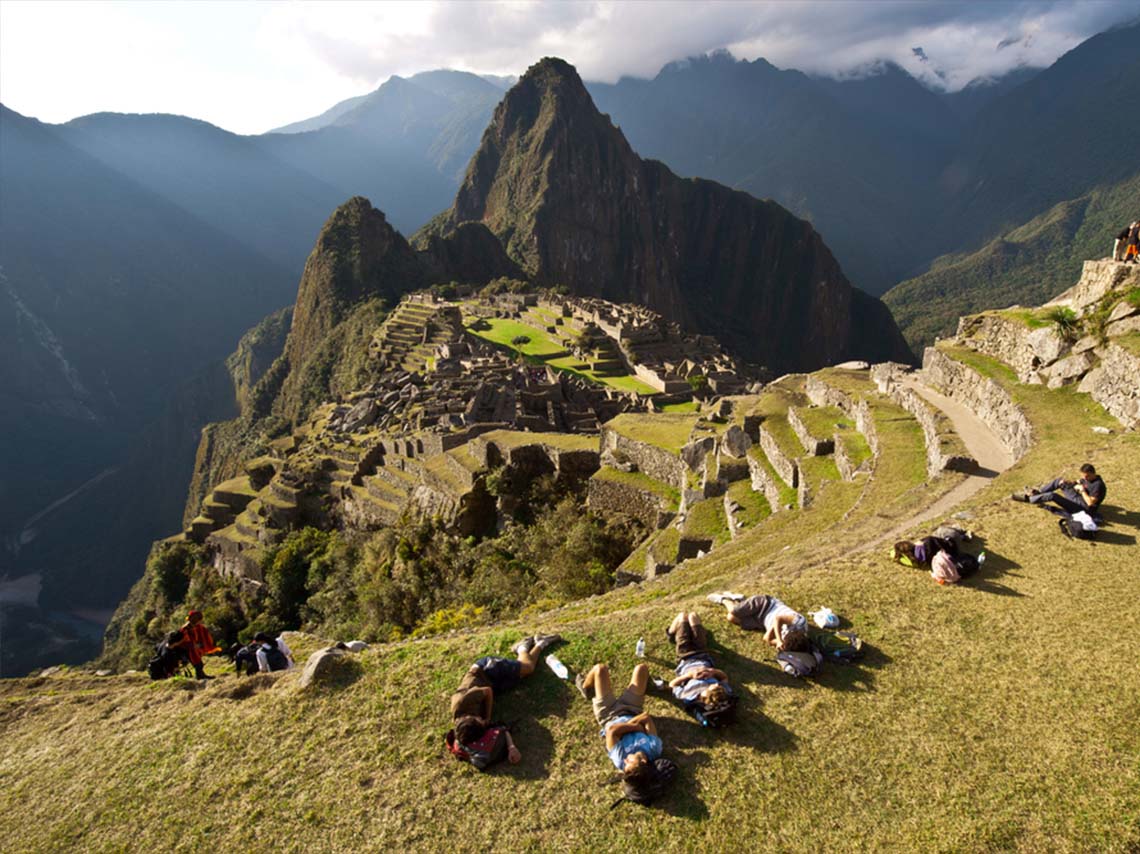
(252, 66)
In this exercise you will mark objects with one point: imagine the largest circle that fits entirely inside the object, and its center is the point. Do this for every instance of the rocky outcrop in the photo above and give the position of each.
(984, 397)
(1114, 384)
(470, 254)
(1098, 278)
(573, 204)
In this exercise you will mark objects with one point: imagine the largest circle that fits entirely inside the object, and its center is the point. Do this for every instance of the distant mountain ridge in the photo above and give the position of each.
(712, 258)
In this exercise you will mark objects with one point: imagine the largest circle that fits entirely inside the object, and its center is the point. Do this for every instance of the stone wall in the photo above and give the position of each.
(762, 482)
(656, 462)
(607, 497)
(858, 410)
(944, 448)
(1097, 279)
(815, 446)
(984, 397)
(1115, 384)
(785, 467)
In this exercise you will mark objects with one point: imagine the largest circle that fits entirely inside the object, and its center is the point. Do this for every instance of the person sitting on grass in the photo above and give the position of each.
(630, 735)
(474, 699)
(783, 628)
(1083, 495)
(197, 642)
(272, 654)
(704, 690)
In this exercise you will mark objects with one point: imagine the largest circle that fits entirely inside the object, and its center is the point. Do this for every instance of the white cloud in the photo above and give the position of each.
(251, 66)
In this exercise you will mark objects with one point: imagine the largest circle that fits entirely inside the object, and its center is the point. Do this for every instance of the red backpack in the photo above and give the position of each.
(489, 748)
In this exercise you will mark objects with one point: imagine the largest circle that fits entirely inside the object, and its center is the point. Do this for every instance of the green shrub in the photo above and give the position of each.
(1066, 321)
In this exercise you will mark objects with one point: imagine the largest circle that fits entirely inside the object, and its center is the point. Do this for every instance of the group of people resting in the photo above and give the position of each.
(1126, 246)
(1077, 501)
(629, 734)
(189, 645)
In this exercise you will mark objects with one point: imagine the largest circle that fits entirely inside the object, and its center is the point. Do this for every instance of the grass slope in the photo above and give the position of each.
(1027, 266)
(996, 715)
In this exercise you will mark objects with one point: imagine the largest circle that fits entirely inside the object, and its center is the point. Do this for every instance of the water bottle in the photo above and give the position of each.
(557, 666)
(640, 650)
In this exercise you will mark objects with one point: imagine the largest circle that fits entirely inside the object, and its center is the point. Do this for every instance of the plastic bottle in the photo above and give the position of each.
(557, 666)
(640, 650)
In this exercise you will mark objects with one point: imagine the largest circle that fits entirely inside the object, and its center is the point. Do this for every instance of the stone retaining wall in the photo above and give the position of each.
(656, 462)
(815, 446)
(984, 397)
(1115, 384)
(606, 497)
(762, 482)
(944, 448)
(858, 410)
(785, 467)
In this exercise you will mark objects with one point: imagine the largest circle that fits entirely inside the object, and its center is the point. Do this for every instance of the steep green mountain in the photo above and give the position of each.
(1069, 129)
(108, 293)
(1024, 266)
(852, 157)
(715, 259)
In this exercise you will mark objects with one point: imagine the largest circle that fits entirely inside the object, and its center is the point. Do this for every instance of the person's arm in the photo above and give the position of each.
(614, 732)
(680, 680)
(488, 704)
(777, 635)
(648, 726)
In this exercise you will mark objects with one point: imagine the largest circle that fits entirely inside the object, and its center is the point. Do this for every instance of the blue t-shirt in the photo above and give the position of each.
(688, 691)
(632, 742)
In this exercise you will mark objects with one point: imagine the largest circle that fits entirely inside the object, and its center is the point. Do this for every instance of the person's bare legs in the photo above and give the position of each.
(597, 681)
(694, 620)
(639, 679)
(728, 606)
(676, 624)
(528, 659)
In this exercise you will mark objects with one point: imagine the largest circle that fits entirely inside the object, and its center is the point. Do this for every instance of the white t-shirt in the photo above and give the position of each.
(263, 659)
(777, 608)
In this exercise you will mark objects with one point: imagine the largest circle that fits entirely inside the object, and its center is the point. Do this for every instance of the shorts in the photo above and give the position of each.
(689, 642)
(607, 707)
(503, 673)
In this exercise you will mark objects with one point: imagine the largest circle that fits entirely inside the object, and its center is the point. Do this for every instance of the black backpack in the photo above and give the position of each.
(276, 658)
(716, 716)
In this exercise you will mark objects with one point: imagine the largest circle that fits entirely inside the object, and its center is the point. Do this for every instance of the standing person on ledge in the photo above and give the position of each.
(1120, 245)
(1075, 496)
(197, 642)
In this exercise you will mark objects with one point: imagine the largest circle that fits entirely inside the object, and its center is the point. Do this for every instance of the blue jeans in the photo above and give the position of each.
(1061, 494)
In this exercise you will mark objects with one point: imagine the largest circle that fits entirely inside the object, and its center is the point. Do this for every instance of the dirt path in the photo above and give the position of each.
(983, 444)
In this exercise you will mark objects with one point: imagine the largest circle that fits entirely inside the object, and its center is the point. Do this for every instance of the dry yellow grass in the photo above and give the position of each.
(997, 715)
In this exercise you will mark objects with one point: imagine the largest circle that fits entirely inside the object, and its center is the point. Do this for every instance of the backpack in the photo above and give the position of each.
(799, 664)
(843, 647)
(666, 771)
(156, 668)
(943, 569)
(720, 715)
(489, 748)
(275, 658)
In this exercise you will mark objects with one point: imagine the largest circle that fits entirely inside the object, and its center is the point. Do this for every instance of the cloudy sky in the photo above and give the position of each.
(251, 66)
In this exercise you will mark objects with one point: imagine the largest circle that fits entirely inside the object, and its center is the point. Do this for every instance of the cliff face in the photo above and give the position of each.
(358, 256)
(574, 205)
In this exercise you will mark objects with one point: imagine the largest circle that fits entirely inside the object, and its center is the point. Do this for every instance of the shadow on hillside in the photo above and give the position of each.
(995, 567)
(536, 698)
(744, 671)
(853, 676)
(1114, 537)
(1120, 516)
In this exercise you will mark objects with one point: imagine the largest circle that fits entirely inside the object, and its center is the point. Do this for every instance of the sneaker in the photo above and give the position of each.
(1064, 528)
(1020, 496)
(541, 643)
(715, 598)
(525, 645)
(659, 684)
(580, 684)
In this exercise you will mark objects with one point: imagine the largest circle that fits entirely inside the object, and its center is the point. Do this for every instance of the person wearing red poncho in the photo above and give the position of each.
(197, 642)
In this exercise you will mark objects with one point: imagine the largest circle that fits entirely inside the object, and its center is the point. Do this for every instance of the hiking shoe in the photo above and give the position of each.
(1020, 496)
(580, 684)
(715, 598)
(525, 645)
(1064, 528)
(544, 642)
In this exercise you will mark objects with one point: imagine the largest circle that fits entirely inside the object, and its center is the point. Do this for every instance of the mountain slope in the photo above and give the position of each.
(1024, 266)
(1069, 129)
(573, 204)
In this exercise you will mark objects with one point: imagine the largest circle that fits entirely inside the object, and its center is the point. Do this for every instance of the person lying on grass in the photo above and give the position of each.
(783, 628)
(1083, 495)
(630, 735)
(920, 553)
(474, 699)
(704, 690)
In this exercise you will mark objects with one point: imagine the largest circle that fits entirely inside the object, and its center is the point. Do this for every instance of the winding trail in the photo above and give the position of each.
(983, 444)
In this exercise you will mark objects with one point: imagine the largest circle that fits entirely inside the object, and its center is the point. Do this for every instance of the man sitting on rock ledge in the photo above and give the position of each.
(473, 700)
(1074, 496)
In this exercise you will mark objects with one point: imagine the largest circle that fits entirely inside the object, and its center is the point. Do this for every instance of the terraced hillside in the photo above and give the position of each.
(993, 715)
